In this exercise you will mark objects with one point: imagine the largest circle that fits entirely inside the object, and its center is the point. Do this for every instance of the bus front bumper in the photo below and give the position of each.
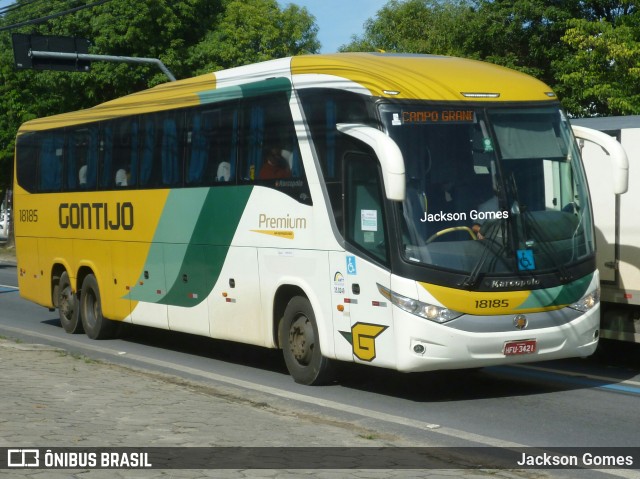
(424, 346)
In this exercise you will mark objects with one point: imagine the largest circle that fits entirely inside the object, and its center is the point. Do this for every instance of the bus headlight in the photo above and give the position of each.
(431, 312)
(587, 302)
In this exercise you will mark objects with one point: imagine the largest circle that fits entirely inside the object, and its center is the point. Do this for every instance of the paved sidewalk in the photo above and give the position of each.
(50, 398)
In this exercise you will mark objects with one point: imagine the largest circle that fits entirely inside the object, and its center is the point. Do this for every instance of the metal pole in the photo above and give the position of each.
(103, 58)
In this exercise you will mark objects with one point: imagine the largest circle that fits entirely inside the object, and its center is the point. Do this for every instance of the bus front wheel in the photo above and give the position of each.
(94, 323)
(68, 307)
(301, 346)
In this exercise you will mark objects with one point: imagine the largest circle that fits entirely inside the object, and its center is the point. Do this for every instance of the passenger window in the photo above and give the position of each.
(171, 151)
(212, 146)
(323, 109)
(51, 157)
(81, 158)
(119, 154)
(268, 149)
(162, 148)
(28, 151)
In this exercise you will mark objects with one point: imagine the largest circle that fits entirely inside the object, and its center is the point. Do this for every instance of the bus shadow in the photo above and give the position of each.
(609, 367)
(201, 346)
(428, 387)
(218, 349)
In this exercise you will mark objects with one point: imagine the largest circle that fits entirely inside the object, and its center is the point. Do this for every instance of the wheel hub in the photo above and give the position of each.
(301, 340)
(66, 303)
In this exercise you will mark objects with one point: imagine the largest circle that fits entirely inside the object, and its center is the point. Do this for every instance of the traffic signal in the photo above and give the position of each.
(24, 46)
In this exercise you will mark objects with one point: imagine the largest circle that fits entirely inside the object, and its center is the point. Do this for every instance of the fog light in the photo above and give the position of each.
(418, 349)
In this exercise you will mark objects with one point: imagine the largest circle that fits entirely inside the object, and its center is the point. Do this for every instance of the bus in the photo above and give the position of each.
(411, 212)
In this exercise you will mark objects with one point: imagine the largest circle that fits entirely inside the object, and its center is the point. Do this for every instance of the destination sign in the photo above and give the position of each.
(438, 116)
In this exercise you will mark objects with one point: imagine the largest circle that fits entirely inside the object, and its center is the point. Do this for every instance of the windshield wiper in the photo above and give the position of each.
(529, 220)
(488, 241)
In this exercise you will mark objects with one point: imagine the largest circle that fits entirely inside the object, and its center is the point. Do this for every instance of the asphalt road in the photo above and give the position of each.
(574, 403)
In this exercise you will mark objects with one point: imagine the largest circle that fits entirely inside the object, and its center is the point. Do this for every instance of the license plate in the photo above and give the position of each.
(513, 348)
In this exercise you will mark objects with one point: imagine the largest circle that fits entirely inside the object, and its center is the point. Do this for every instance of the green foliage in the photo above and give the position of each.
(601, 75)
(416, 26)
(587, 51)
(189, 36)
(522, 34)
(250, 31)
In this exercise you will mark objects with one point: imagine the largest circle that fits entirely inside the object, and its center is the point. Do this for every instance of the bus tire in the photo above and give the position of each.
(68, 306)
(300, 344)
(95, 325)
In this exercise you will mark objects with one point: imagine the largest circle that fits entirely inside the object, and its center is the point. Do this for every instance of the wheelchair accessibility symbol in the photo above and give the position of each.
(525, 260)
(351, 265)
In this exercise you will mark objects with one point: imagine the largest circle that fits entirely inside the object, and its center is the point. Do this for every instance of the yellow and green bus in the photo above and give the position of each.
(412, 212)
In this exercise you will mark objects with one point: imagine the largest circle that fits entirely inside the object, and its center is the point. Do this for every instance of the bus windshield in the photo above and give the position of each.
(490, 189)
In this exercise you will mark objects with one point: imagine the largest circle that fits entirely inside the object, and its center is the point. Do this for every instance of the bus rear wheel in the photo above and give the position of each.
(94, 323)
(301, 346)
(68, 307)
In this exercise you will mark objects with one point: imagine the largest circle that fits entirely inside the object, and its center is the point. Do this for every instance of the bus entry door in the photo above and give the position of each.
(370, 323)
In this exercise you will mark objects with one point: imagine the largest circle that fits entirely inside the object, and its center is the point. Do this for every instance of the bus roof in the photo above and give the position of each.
(399, 76)
(428, 77)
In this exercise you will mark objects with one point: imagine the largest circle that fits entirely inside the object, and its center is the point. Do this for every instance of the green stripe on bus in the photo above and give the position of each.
(559, 295)
(192, 240)
(245, 91)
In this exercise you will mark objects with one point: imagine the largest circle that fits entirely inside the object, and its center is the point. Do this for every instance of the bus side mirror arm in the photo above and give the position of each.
(615, 151)
(388, 153)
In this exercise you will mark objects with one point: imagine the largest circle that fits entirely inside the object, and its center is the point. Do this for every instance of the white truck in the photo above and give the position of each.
(617, 225)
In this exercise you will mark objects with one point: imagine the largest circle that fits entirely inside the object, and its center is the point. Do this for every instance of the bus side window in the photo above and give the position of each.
(171, 149)
(162, 149)
(197, 150)
(364, 212)
(51, 156)
(75, 161)
(212, 145)
(323, 109)
(268, 133)
(148, 152)
(269, 150)
(119, 152)
(27, 160)
(106, 155)
(81, 159)
(253, 140)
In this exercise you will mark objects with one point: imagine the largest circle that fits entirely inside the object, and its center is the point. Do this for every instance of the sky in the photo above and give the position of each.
(337, 20)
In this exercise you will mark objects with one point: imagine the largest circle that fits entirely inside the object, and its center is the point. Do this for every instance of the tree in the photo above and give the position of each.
(523, 34)
(250, 31)
(601, 75)
(416, 26)
(587, 51)
(189, 36)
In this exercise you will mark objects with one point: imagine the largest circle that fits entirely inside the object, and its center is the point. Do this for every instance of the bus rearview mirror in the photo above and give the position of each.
(389, 156)
(616, 152)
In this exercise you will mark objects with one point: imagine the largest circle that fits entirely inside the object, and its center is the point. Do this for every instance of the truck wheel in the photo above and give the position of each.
(301, 346)
(95, 325)
(68, 307)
